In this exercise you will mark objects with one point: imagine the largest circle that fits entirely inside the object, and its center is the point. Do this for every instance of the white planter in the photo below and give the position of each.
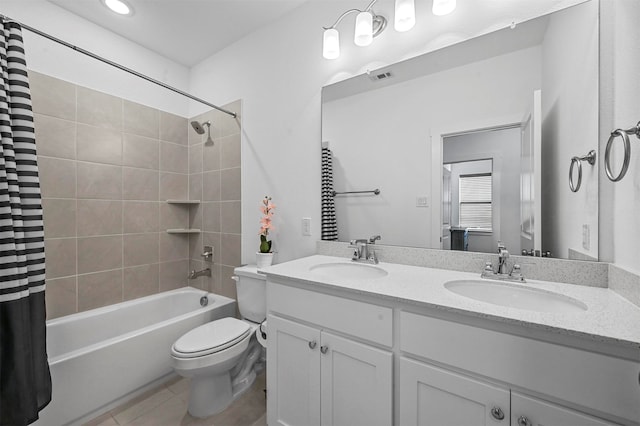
(264, 259)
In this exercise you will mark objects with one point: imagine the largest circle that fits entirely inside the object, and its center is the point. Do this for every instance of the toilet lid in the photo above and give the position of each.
(212, 337)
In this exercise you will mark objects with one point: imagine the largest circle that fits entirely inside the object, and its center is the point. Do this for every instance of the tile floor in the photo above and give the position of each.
(167, 406)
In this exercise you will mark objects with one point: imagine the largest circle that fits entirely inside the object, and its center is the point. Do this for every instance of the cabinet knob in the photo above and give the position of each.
(312, 344)
(497, 413)
(324, 349)
(524, 421)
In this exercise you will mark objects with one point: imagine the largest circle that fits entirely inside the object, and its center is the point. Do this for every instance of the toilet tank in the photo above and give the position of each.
(252, 295)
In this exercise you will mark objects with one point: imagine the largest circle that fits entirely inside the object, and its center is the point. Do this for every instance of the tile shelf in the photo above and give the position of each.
(183, 231)
(183, 201)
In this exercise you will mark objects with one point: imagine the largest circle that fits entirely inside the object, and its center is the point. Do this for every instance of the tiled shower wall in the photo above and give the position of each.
(107, 165)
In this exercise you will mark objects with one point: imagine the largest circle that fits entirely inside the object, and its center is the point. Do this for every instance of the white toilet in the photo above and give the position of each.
(222, 357)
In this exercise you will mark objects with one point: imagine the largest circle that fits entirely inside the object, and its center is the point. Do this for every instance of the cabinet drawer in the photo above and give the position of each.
(603, 383)
(363, 320)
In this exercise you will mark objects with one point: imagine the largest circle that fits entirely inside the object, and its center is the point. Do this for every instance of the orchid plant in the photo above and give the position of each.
(267, 208)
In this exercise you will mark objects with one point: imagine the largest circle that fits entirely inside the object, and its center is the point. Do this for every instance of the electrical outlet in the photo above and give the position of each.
(306, 226)
(586, 237)
(422, 201)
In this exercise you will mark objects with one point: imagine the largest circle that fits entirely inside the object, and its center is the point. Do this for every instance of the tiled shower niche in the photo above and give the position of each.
(107, 167)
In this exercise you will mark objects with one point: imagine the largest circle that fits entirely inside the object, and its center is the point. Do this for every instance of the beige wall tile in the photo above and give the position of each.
(230, 249)
(227, 285)
(141, 281)
(173, 186)
(99, 217)
(52, 96)
(173, 216)
(173, 274)
(230, 151)
(195, 158)
(141, 249)
(211, 217)
(230, 217)
(173, 128)
(60, 255)
(196, 246)
(173, 247)
(99, 145)
(195, 216)
(99, 253)
(174, 158)
(98, 181)
(211, 156)
(99, 109)
(99, 289)
(61, 297)
(141, 216)
(59, 217)
(141, 184)
(57, 177)
(141, 120)
(140, 151)
(230, 185)
(195, 187)
(211, 186)
(55, 137)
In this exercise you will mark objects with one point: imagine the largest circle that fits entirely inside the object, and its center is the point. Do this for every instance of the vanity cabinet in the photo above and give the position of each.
(319, 372)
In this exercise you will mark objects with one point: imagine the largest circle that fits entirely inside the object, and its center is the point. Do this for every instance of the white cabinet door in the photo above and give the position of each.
(357, 386)
(293, 374)
(432, 396)
(527, 411)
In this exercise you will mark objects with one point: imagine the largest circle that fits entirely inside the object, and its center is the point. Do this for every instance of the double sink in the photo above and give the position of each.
(518, 296)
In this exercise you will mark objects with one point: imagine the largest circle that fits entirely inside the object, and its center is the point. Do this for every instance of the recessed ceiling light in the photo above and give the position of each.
(118, 6)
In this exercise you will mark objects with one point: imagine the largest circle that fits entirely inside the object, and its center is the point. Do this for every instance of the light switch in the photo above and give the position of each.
(306, 226)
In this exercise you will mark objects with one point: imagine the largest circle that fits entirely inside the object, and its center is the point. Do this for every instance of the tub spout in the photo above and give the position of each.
(204, 273)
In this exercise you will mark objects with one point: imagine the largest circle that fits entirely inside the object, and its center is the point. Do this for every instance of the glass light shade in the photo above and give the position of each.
(331, 44)
(443, 7)
(364, 29)
(404, 15)
(119, 7)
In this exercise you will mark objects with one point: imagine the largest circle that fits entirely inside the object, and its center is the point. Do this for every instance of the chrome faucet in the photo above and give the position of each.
(362, 252)
(195, 274)
(501, 274)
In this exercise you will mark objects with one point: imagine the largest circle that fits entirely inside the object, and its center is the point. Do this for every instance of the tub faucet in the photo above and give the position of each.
(195, 274)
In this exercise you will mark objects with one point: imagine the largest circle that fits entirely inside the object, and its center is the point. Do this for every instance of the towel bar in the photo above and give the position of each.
(624, 134)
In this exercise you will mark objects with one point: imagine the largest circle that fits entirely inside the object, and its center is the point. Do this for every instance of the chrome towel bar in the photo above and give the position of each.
(589, 158)
(624, 134)
(373, 191)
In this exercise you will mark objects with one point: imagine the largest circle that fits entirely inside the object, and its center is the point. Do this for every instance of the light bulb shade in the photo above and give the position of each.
(331, 44)
(443, 7)
(364, 29)
(404, 15)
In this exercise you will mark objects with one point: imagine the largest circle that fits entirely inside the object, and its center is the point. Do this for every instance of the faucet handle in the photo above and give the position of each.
(516, 273)
(488, 267)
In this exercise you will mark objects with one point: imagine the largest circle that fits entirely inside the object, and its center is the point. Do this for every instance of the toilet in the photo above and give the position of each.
(222, 358)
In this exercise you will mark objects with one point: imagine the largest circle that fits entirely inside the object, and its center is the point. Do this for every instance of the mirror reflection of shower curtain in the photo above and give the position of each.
(25, 381)
(329, 222)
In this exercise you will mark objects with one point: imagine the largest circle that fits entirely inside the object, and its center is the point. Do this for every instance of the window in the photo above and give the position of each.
(475, 201)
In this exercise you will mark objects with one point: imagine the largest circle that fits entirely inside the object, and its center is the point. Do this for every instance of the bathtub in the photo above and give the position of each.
(103, 357)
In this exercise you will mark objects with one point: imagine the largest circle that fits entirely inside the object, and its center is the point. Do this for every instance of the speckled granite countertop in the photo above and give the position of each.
(610, 318)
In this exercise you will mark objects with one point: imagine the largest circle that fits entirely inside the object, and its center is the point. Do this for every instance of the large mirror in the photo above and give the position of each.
(471, 144)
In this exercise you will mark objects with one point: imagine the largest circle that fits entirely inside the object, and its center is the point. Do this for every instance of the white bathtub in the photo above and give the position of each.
(105, 356)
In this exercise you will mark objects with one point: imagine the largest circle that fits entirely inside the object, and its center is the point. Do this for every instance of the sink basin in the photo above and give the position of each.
(513, 296)
(351, 271)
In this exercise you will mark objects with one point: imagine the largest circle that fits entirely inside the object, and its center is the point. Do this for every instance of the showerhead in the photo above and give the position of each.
(199, 128)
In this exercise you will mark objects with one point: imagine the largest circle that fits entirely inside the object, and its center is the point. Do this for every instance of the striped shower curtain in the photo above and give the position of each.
(25, 381)
(329, 223)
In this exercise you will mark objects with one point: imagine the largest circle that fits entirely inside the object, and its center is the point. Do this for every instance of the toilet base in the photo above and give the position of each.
(209, 395)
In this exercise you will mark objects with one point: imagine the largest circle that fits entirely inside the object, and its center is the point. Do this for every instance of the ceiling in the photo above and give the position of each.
(185, 31)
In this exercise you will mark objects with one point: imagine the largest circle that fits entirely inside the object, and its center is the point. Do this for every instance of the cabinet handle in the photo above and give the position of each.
(324, 349)
(497, 413)
(312, 344)
(523, 421)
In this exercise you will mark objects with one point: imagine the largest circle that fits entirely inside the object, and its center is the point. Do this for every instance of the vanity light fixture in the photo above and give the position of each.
(443, 7)
(120, 7)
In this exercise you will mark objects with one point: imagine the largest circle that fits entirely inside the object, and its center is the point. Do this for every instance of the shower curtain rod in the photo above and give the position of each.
(117, 65)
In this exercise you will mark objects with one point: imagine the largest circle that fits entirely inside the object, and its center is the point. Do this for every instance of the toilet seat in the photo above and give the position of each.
(210, 338)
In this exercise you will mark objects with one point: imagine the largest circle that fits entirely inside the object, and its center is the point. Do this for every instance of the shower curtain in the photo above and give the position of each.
(25, 381)
(329, 223)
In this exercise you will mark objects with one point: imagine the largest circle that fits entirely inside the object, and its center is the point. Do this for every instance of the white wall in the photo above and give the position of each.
(570, 91)
(50, 58)
(620, 62)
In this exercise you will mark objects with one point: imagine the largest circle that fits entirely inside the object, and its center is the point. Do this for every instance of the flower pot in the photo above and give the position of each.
(264, 259)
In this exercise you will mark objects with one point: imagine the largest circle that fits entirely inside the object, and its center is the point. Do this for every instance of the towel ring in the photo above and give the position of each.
(589, 158)
(624, 134)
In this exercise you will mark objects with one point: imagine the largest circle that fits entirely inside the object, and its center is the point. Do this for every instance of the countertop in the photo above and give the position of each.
(610, 318)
